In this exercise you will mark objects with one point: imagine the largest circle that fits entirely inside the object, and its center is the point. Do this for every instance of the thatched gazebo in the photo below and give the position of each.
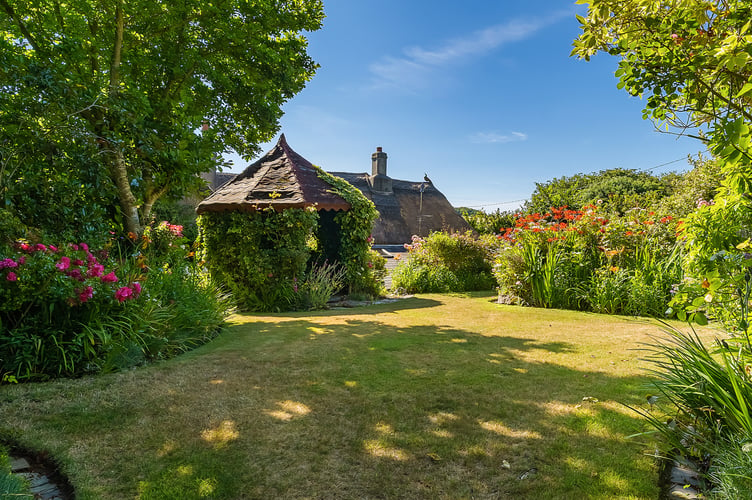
(265, 230)
(282, 179)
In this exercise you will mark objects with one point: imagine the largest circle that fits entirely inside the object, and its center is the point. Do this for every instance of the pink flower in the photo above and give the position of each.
(123, 294)
(90, 258)
(8, 263)
(84, 247)
(22, 260)
(52, 248)
(109, 278)
(78, 262)
(85, 294)
(95, 271)
(11, 276)
(63, 264)
(74, 246)
(136, 288)
(39, 247)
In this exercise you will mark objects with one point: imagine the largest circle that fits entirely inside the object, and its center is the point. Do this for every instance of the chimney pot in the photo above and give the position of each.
(379, 149)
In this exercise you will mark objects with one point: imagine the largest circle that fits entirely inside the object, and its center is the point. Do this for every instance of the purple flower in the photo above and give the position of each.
(63, 264)
(76, 275)
(11, 276)
(8, 263)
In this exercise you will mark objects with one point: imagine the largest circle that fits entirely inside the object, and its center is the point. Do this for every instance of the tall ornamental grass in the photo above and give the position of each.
(704, 400)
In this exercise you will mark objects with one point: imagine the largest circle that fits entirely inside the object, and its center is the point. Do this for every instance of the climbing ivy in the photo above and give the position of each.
(259, 255)
(355, 236)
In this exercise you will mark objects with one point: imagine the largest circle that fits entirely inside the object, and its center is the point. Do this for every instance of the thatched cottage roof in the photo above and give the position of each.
(400, 213)
(280, 179)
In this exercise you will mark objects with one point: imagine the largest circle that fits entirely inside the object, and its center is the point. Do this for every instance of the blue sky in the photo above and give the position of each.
(481, 95)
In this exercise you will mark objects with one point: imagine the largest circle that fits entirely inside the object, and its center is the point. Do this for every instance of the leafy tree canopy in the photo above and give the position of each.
(616, 190)
(135, 81)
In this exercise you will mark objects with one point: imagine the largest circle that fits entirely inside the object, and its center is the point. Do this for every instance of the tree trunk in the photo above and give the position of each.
(128, 203)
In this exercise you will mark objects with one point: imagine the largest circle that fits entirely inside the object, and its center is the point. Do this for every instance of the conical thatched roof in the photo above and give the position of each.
(280, 179)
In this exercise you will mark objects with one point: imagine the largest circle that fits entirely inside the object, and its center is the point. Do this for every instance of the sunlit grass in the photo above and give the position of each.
(429, 397)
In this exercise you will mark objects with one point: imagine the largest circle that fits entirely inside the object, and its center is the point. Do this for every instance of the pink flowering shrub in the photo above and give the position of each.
(48, 293)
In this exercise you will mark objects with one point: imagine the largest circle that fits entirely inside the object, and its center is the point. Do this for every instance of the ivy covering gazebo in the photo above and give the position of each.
(261, 231)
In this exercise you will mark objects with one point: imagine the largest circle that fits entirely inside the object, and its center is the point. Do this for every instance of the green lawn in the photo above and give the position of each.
(430, 397)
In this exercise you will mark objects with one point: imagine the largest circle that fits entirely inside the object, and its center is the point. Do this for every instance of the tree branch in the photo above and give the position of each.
(26, 33)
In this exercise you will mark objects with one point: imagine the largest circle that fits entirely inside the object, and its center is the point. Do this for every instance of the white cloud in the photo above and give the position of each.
(415, 69)
(497, 138)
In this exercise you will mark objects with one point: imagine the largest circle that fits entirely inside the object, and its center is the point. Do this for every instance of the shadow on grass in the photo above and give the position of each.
(357, 409)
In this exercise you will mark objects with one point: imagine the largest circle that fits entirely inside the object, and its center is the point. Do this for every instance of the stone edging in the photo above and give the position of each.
(45, 480)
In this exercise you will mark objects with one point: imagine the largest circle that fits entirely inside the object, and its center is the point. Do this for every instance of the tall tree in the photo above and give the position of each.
(160, 88)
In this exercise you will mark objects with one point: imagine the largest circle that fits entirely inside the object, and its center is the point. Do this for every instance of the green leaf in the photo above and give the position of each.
(746, 89)
(700, 318)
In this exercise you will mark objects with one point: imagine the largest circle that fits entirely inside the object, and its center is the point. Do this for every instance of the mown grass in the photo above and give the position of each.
(429, 397)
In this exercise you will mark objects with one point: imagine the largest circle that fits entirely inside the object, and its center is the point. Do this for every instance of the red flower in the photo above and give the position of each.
(76, 275)
(85, 294)
(95, 271)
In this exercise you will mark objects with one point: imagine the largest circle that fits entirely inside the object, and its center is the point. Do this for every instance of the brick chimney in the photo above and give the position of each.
(380, 182)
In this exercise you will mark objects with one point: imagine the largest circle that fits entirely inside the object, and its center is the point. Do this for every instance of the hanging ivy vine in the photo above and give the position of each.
(355, 240)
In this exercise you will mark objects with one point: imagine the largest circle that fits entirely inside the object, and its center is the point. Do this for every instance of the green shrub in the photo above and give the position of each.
(488, 223)
(415, 277)
(445, 262)
(579, 259)
(708, 391)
